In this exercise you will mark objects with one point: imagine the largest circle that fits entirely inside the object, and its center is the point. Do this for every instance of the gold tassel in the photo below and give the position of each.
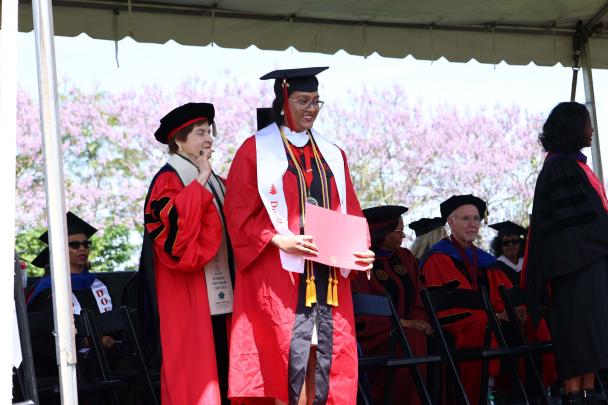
(330, 297)
(335, 294)
(311, 289)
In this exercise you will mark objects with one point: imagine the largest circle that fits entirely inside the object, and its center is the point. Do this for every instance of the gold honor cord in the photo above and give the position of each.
(332, 283)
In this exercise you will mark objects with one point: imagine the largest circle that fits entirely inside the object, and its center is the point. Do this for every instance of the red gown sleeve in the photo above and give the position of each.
(183, 223)
(248, 223)
(497, 278)
(438, 270)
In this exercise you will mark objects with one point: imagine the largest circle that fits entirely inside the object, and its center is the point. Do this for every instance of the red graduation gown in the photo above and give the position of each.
(439, 269)
(397, 274)
(185, 228)
(266, 296)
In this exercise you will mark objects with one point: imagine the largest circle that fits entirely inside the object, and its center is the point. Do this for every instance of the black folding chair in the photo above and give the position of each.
(114, 323)
(41, 326)
(513, 298)
(442, 299)
(376, 305)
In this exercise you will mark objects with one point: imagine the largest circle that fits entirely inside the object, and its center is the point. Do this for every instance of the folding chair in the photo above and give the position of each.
(41, 325)
(442, 299)
(513, 298)
(113, 323)
(376, 305)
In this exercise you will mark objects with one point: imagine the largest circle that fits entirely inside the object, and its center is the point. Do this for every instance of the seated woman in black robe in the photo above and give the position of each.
(567, 258)
(508, 248)
(88, 292)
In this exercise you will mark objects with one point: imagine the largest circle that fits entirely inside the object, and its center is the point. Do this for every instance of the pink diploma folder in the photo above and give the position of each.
(336, 235)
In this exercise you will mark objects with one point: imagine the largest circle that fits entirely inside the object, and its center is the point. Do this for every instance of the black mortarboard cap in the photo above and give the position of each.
(509, 228)
(181, 117)
(264, 117)
(75, 225)
(455, 201)
(426, 225)
(43, 258)
(303, 79)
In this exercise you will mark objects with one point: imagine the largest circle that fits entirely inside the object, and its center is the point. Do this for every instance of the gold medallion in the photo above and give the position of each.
(381, 275)
(400, 269)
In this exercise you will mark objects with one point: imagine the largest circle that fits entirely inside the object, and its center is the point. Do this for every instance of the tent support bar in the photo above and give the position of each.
(593, 21)
(55, 200)
(590, 102)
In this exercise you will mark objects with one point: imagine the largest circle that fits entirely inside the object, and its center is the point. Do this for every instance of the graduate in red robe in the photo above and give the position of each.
(457, 259)
(395, 271)
(293, 333)
(183, 233)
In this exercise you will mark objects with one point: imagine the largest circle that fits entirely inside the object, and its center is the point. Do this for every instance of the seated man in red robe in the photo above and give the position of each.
(456, 258)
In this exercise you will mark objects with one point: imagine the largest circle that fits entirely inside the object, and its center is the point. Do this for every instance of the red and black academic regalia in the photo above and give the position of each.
(444, 264)
(272, 328)
(396, 273)
(185, 230)
(566, 263)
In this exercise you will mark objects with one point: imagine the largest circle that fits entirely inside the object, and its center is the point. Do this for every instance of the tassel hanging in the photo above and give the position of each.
(335, 287)
(330, 295)
(311, 289)
(288, 117)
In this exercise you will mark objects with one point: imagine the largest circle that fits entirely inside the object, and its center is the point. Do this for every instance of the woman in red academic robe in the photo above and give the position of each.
(293, 333)
(183, 231)
(395, 271)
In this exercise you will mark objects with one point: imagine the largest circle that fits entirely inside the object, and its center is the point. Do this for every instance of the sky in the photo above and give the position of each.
(92, 64)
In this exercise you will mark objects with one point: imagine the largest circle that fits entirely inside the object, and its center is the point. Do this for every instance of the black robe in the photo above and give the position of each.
(568, 229)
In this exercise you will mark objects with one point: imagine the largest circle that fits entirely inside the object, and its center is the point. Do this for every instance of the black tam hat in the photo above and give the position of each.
(383, 220)
(509, 228)
(264, 117)
(181, 117)
(75, 225)
(286, 81)
(426, 225)
(455, 201)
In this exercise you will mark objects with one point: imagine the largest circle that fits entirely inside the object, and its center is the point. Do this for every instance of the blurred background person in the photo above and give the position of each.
(508, 248)
(428, 232)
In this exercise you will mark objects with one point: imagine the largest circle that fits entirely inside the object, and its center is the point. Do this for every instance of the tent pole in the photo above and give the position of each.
(55, 200)
(590, 102)
(8, 128)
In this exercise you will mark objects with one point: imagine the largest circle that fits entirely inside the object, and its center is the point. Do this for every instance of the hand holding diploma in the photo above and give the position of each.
(340, 240)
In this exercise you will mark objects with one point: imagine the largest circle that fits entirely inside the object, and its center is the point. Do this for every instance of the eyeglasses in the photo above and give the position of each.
(305, 104)
(75, 244)
(510, 242)
(469, 218)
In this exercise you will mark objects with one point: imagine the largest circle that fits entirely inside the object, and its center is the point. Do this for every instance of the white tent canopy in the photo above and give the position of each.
(490, 31)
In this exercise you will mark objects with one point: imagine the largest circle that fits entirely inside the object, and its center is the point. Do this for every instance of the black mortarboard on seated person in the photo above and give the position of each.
(264, 117)
(75, 225)
(286, 81)
(455, 201)
(43, 258)
(426, 225)
(181, 117)
(509, 228)
(382, 220)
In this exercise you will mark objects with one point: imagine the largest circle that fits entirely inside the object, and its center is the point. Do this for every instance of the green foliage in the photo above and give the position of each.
(113, 250)
(28, 246)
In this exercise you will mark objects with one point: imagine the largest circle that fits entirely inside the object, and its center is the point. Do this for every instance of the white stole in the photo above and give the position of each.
(102, 297)
(271, 167)
(217, 271)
